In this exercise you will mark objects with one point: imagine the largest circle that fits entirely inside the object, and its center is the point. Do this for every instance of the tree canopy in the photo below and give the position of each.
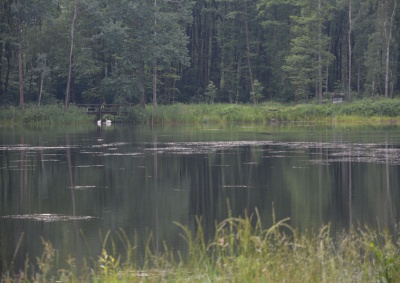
(167, 51)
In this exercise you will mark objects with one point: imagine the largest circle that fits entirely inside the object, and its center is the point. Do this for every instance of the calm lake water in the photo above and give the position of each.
(71, 185)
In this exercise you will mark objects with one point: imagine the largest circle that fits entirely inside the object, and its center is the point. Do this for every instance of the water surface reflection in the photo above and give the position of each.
(71, 185)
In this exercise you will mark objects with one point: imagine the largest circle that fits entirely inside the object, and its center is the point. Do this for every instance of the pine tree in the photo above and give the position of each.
(309, 53)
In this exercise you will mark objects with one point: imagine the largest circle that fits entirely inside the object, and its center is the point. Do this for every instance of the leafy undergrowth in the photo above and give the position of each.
(241, 251)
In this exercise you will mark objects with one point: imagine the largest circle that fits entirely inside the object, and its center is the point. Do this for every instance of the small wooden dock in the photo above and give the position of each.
(102, 109)
(337, 98)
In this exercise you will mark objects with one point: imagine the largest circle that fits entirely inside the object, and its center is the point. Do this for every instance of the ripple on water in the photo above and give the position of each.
(47, 217)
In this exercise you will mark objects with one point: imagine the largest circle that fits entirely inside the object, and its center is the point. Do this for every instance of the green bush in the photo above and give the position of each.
(136, 114)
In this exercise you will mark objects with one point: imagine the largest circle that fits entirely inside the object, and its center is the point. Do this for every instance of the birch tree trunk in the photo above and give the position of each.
(142, 85)
(20, 63)
(319, 87)
(155, 59)
(350, 51)
(20, 71)
(67, 94)
(388, 38)
(41, 88)
(155, 84)
(246, 26)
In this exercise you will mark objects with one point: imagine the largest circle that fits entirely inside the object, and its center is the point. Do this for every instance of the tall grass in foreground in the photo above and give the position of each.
(241, 251)
(43, 115)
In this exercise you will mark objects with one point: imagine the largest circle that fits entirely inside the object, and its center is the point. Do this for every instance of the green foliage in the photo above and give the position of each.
(296, 49)
(46, 261)
(211, 92)
(310, 55)
(388, 260)
(256, 95)
(135, 114)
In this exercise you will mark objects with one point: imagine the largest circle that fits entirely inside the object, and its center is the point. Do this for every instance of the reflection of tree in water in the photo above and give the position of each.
(340, 196)
(70, 174)
(221, 184)
(203, 193)
(390, 215)
(148, 185)
(354, 199)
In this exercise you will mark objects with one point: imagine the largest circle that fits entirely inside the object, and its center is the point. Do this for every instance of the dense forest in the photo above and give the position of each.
(190, 51)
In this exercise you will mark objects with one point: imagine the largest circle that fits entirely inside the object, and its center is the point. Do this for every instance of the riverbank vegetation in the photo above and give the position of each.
(359, 111)
(44, 115)
(242, 250)
(378, 111)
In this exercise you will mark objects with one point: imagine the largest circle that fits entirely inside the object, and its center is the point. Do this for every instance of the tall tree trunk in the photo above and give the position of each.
(142, 85)
(67, 94)
(373, 87)
(3, 23)
(20, 65)
(155, 59)
(155, 84)
(350, 51)
(319, 55)
(41, 82)
(319, 77)
(388, 38)
(209, 55)
(30, 71)
(8, 57)
(7, 46)
(173, 91)
(41, 88)
(246, 27)
(358, 77)
(391, 85)
(1, 71)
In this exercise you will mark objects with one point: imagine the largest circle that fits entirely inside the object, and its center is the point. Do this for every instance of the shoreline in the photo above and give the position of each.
(383, 111)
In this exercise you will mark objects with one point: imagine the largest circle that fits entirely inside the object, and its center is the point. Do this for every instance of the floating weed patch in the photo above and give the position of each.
(332, 151)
